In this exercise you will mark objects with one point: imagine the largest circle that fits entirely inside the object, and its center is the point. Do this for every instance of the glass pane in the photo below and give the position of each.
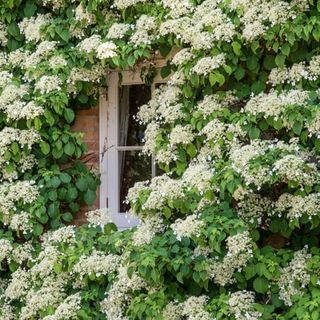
(131, 133)
(133, 167)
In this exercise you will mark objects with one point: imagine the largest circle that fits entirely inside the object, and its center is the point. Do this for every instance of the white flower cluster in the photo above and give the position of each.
(206, 65)
(257, 16)
(181, 135)
(198, 176)
(214, 103)
(147, 229)
(17, 57)
(22, 252)
(98, 218)
(119, 295)
(163, 106)
(178, 7)
(294, 207)
(86, 75)
(5, 78)
(189, 227)
(183, 56)
(193, 29)
(240, 305)
(296, 73)
(6, 312)
(118, 30)
(294, 168)
(18, 285)
(216, 130)
(150, 135)
(272, 104)
(123, 4)
(21, 222)
(24, 137)
(89, 45)
(57, 62)
(251, 206)
(84, 16)
(5, 249)
(3, 35)
(67, 309)
(290, 166)
(50, 294)
(31, 27)
(239, 252)
(106, 50)
(65, 235)
(144, 31)
(97, 263)
(163, 190)
(12, 104)
(47, 84)
(11, 193)
(294, 277)
(191, 309)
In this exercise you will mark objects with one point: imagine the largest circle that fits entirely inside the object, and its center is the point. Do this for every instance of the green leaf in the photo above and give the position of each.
(220, 78)
(72, 193)
(252, 62)
(13, 29)
(53, 195)
(65, 177)
(164, 50)
(239, 74)
(82, 184)
(212, 79)
(54, 210)
(254, 133)
(69, 115)
(67, 217)
(63, 32)
(285, 49)
(165, 71)
(89, 197)
(15, 148)
(29, 9)
(54, 182)
(236, 46)
(45, 147)
(191, 150)
(37, 229)
(297, 127)
(69, 149)
(280, 60)
(261, 285)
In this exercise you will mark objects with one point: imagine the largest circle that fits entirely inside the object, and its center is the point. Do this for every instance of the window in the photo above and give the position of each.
(121, 142)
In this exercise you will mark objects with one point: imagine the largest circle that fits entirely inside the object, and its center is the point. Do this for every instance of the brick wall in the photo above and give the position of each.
(87, 121)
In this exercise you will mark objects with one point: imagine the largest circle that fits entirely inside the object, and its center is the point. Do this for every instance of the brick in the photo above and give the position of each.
(87, 121)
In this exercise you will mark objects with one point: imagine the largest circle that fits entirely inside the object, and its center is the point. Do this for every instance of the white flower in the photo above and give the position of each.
(118, 30)
(205, 65)
(98, 217)
(47, 84)
(31, 27)
(189, 227)
(90, 44)
(106, 50)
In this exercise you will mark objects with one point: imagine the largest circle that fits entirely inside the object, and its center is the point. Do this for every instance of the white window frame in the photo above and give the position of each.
(109, 148)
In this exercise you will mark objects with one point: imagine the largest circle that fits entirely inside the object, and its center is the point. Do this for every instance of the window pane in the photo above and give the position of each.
(133, 167)
(131, 133)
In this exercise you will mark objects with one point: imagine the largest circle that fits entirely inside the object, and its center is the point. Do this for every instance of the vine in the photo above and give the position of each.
(231, 229)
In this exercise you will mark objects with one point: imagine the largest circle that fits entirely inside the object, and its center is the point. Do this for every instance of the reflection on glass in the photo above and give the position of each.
(136, 167)
(131, 133)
